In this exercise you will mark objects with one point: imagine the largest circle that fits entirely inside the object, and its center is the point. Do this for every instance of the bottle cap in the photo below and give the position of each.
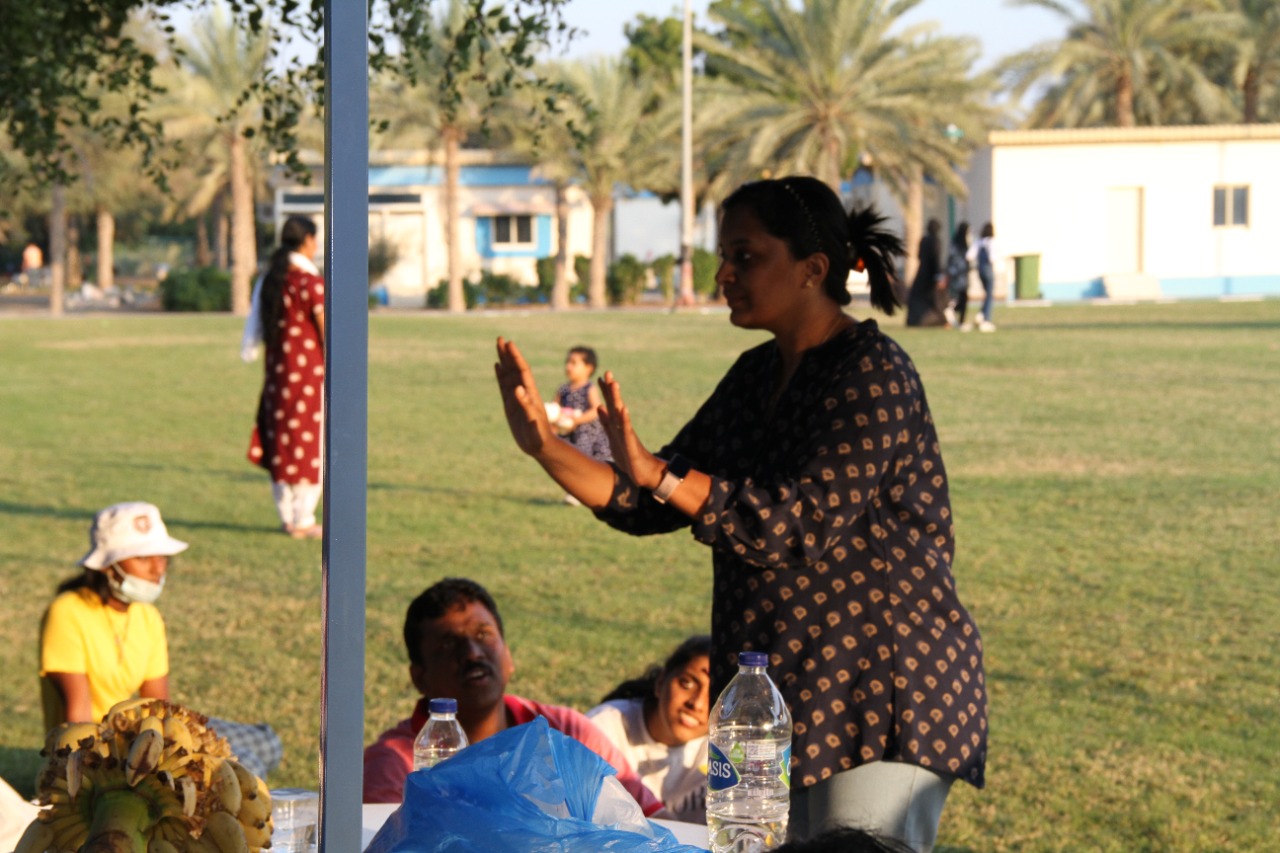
(753, 659)
(443, 706)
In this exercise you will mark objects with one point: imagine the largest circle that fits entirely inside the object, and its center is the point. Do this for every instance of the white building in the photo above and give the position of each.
(506, 211)
(1152, 212)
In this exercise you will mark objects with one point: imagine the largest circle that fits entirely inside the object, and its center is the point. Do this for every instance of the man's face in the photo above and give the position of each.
(464, 658)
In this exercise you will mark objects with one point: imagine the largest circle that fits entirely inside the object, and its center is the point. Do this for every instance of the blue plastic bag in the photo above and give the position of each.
(528, 789)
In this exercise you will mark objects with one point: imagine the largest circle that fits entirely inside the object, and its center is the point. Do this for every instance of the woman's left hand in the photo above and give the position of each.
(644, 469)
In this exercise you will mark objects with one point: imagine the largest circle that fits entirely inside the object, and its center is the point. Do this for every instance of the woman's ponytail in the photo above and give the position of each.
(875, 250)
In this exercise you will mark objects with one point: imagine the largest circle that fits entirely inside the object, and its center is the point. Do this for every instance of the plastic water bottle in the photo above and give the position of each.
(442, 737)
(749, 759)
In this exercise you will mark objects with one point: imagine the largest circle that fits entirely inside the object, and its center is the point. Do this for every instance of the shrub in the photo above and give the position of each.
(704, 273)
(500, 289)
(546, 268)
(383, 255)
(664, 270)
(581, 269)
(204, 289)
(625, 280)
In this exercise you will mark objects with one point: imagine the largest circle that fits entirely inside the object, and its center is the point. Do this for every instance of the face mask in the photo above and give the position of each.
(135, 590)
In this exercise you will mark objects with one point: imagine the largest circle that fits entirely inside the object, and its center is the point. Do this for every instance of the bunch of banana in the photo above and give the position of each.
(152, 777)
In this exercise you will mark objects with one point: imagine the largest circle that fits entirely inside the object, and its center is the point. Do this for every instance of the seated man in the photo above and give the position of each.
(457, 650)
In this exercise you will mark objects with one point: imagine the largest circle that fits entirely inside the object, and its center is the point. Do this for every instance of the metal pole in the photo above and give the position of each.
(346, 250)
(686, 159)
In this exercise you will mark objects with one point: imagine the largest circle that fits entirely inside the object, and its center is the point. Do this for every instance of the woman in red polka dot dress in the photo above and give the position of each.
(286, 437)
(815, 476)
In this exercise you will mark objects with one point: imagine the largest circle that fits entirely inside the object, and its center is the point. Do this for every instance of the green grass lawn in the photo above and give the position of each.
(1115, 476)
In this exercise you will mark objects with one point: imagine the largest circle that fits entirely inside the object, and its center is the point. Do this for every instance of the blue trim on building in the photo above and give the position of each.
(541, 237)
(1067, 291)
(468, 176)
(1201, 287)
(1221, 285)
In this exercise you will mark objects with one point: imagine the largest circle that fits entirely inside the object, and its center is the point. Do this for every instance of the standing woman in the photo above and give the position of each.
(814, 474)
(984, 258)
(929, 287)
(958, 276)
(286, 437)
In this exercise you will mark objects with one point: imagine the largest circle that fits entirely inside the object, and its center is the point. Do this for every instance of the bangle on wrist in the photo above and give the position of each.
(677, 469)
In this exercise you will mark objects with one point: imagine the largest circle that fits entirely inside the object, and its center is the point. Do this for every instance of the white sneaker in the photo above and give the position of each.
(966, 327)
(986, 326)
(950, 314)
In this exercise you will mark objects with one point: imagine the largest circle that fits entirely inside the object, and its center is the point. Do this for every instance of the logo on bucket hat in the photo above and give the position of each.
(126, 530)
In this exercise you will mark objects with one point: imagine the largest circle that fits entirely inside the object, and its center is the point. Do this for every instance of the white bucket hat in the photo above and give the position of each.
(127, 530)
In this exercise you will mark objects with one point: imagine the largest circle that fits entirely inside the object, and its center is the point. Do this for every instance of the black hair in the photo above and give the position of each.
(588, 356)
(91, 579)
(988, 230)
(437, 600)
(961, 235)
(845, 840)
(809, 217)
(934, 226)
(293, 234)
(642, 687)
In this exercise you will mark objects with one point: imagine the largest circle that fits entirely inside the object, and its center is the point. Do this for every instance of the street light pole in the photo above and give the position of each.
(686, 159)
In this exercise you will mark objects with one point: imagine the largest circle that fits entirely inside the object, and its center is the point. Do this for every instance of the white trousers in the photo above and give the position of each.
(892, 799)
(296, 503)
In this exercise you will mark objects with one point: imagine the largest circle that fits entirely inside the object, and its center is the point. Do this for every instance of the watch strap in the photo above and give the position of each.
(677, 469)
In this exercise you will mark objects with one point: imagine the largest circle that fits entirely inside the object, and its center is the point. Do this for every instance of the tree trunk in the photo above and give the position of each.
(57, 249)
(106, 248)
(560, 285)
(221, 239)
(1251, 95)
(75, 260)
(204, 254)
(1124, 101)
(244, 249)
(831, 162)
(452, 178)
(601, 208)
(913, 222)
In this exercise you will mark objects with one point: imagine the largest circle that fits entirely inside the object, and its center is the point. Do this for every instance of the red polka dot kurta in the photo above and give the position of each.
(286, 438)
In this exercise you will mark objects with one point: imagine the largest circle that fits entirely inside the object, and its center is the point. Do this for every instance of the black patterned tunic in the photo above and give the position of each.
(832, 539)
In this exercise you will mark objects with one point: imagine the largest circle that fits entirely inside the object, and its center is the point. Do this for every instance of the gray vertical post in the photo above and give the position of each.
(346, 250)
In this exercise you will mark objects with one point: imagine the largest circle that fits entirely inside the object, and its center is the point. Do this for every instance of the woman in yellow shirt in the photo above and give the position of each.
(102, 640)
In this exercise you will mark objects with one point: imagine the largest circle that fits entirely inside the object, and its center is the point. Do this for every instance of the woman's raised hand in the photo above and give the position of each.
(644, 469)
(526, 414)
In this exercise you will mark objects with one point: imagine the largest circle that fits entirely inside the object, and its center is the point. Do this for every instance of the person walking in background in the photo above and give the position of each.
(984, 260)
(929, 287)
(289, 425)
(814, 474)
(578, 401)
(32, 263)
(659, 721)
(957, 276)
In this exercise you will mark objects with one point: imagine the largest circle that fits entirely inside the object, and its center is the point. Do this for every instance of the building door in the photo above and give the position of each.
(1124, 230)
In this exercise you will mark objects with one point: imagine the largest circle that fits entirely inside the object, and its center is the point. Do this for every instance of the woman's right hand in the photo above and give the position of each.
(526, 414)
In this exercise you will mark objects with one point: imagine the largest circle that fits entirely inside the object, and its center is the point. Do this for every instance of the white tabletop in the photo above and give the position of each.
(376, 814)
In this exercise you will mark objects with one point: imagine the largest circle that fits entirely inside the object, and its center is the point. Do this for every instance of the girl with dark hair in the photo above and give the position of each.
(983, 253)
(958, 276)
(659, 721)
(815, 476)
(286, 435)
(929, 287)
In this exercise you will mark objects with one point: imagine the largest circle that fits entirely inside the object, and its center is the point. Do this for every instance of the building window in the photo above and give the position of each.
(512, 230)
(1231, 206)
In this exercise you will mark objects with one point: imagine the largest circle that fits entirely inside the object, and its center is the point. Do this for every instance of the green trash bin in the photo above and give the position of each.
(1026, 276)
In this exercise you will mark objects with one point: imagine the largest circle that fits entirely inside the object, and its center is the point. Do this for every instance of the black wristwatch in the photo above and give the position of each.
(677, 469)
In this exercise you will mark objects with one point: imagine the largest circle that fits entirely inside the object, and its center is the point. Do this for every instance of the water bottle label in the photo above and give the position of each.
(721, 774)
(761, 750)
(786, 765)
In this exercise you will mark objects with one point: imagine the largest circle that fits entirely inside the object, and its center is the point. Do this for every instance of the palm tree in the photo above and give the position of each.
(620, 141)
(831, 84)
(1124, 63)
(206, 111)
(1257, 48)
(418, 104)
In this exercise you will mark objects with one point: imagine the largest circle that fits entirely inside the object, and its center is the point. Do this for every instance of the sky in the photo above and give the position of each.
(1001, 28)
